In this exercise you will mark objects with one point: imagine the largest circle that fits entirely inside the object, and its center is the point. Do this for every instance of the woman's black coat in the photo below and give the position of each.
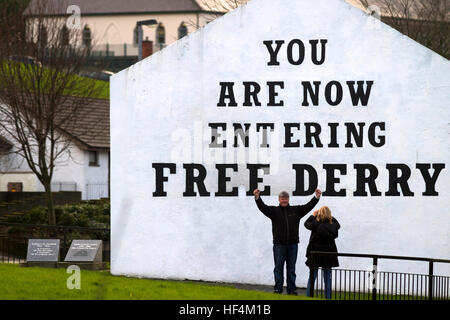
(322, 239)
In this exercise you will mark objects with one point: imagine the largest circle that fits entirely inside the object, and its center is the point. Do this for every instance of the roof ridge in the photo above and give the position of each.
(102, 7)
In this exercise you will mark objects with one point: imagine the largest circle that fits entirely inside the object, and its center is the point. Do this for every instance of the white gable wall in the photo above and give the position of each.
(164, 99)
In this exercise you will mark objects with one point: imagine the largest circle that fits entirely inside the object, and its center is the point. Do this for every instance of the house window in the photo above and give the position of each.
(64, 36)
(161, 35)
(87, 36)
(42, 36)
(93, 158)
(5, 145)
(182, 30)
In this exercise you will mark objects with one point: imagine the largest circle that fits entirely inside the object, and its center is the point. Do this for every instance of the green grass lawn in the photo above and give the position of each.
(44, 283)
(75, 85)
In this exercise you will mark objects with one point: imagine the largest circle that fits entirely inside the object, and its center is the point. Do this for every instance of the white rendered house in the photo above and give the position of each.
(85, 167)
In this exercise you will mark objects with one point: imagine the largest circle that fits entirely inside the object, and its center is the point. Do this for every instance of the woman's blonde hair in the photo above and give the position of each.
(324, 215)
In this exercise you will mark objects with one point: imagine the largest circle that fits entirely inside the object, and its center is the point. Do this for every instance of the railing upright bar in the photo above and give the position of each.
(359, 285)
(417, 286)
(421, 287)
(335, 283)
(409, 286)
(311, 281)
(391, 288)
(403, 296)
(345, 284)
(394, 292)
(446, 295)
(321, 282)
(442, 288)
(438, 288)
(340, 284)
(374, 279)
(364, 283)
(430, 281)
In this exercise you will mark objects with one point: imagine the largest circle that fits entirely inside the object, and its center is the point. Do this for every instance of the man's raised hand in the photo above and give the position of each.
(256, 193)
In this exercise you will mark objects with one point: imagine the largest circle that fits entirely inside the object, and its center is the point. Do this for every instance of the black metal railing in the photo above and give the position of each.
(378, 285)
(14, 239)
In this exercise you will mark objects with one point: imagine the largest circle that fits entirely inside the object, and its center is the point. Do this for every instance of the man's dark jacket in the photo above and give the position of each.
(285, 220)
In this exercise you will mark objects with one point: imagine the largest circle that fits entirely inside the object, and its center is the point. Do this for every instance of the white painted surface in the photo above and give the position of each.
(159, 104)
(96, 177)
(28, 180)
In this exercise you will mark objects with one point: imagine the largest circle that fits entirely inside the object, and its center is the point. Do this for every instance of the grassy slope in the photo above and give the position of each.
(101, 90)
(39, 283)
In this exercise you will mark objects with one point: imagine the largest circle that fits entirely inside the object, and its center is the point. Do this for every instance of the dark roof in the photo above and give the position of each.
(92, 124)
(92, 7)
(84, 120)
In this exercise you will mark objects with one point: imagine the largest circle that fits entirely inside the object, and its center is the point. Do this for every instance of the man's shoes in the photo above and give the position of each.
(292, 293)
(277, 292)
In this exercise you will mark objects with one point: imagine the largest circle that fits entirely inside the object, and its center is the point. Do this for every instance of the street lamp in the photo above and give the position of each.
(139, 25)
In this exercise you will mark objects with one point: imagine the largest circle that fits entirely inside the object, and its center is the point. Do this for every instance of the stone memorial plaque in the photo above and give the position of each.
(43, 250)
(85, 251)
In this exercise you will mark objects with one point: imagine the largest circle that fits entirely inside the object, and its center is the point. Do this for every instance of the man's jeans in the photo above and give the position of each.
(281, 254)
(326, 276)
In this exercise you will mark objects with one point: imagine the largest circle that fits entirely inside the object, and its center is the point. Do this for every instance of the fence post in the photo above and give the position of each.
(430, 280)
(311, 279)
(374, 278)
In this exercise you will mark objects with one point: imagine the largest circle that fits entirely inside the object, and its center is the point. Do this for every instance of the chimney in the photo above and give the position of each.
(147, 48)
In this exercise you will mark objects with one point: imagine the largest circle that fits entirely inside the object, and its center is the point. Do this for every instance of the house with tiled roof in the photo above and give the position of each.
(84, 168)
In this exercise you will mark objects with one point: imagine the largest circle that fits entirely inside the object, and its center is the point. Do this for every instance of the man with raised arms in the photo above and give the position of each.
(285, 221)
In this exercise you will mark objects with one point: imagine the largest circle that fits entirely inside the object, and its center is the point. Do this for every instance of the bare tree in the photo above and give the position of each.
(220, 5)
(212, 9)
(41, 94)
(425, 21)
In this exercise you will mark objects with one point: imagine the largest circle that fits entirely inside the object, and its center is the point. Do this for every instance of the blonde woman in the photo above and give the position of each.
(324, 230)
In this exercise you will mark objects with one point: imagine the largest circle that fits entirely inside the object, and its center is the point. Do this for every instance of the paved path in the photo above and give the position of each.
(255, 287)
